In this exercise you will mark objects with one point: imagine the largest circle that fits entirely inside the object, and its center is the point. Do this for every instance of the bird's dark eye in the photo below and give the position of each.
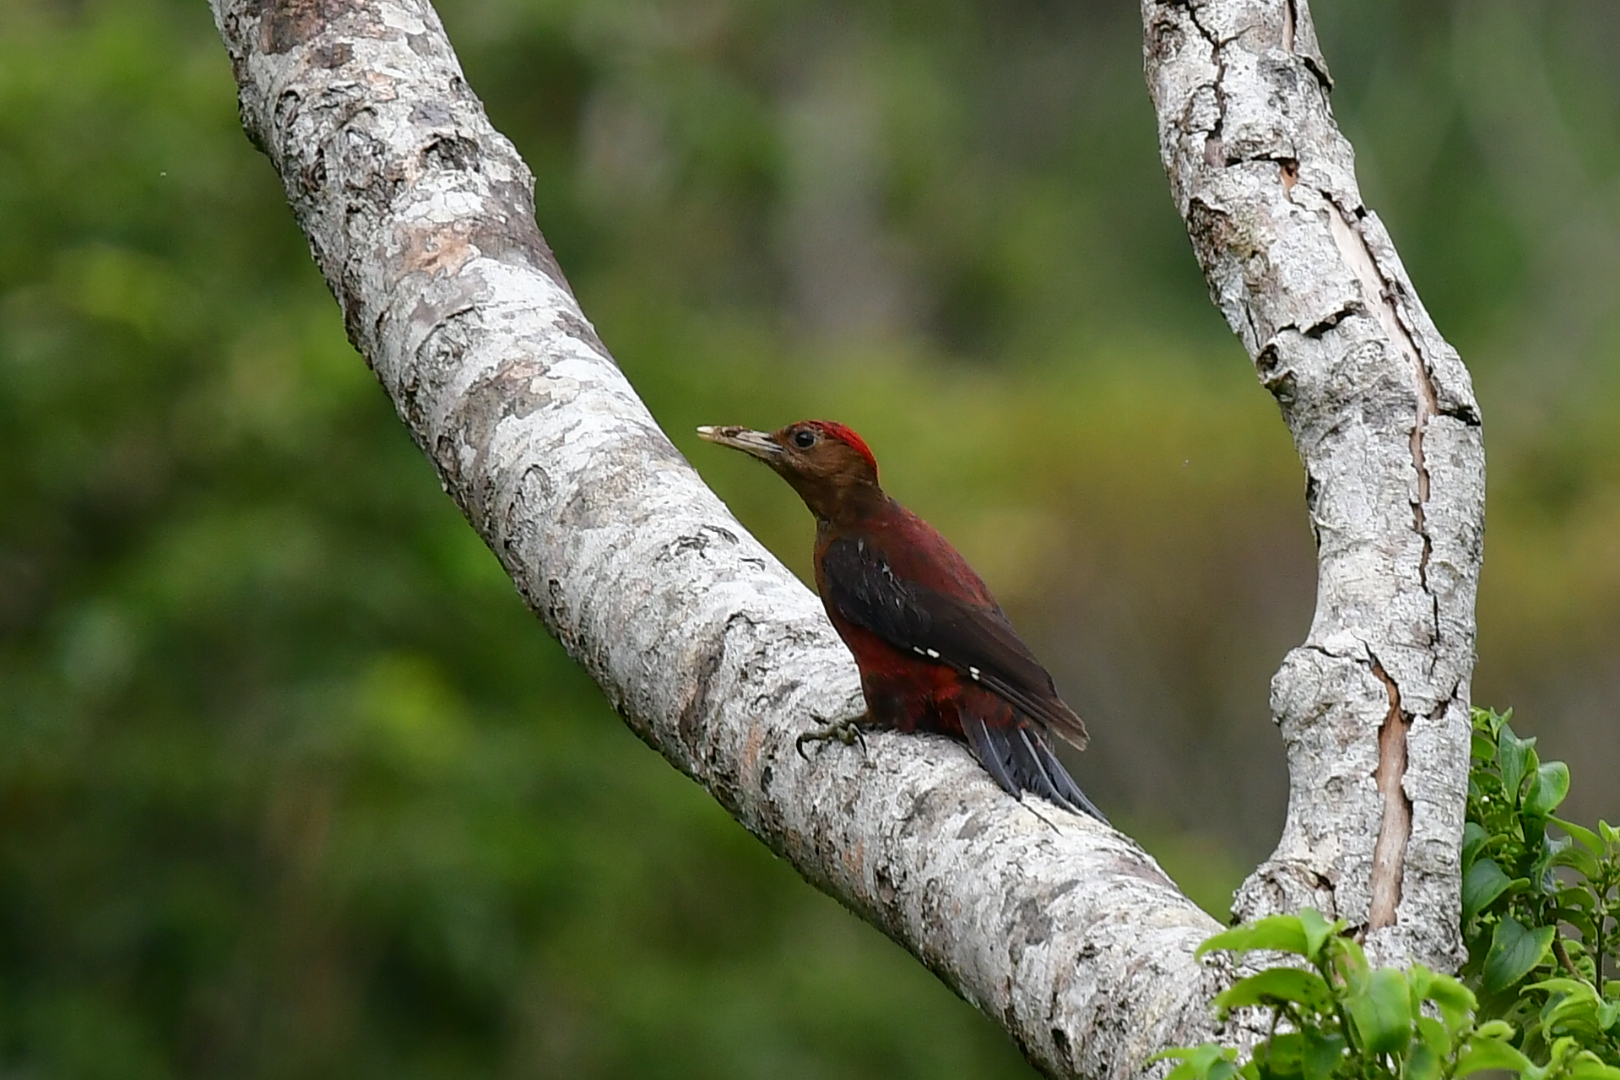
(804, 439)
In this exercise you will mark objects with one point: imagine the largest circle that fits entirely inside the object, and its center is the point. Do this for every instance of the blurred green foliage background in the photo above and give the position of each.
(290, 783)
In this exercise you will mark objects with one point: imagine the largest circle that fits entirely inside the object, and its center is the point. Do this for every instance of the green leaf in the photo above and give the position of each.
(1518, 758)
(1589, 1066)
(1282, 933)
(1278, 984)
(1545, 882)
(1434, 1035)
(1584, 836)
(1418, 979)
(1488, 720)
(1321, 1054)
(1422, 1064)
(1351, 961)
(1563, 1050)
(1317, 931)
(1381, 1010)
(1281, 1057)
(1196, 1061)
(1484, 882)
(1514, 953)
(1474, 840)
(1481, 748)
(1576, 899)
(1489, 1053)
(1548, 787)
(1454, 1000)
(1572, 1007)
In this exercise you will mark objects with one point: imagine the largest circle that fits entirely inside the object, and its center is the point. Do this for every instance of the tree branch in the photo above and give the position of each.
(1374, 706)
(421, 217)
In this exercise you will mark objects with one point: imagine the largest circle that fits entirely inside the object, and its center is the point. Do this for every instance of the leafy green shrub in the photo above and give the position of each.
(1539, 911)
(1540, 919)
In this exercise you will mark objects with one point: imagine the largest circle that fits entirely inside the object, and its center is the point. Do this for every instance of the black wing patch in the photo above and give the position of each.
(977, 642)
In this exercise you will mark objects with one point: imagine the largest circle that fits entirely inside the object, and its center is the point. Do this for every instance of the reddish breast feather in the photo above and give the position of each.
(902, 691)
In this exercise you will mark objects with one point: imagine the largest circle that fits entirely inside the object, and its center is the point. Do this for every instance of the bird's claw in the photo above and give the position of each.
(847, 731)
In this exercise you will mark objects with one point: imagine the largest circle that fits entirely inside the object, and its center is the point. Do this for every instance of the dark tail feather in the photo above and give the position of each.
(1020, 759)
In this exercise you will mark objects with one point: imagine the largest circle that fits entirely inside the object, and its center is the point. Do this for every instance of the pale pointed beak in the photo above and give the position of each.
(758, 443)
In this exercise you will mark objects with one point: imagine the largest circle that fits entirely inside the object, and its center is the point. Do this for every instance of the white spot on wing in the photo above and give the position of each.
(934, 653)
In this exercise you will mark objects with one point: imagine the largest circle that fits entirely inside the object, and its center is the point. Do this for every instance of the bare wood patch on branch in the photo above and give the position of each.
(1389, 853)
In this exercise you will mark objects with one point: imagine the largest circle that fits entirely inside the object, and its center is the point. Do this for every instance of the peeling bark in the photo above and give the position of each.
(1374, 706)
(420, 215)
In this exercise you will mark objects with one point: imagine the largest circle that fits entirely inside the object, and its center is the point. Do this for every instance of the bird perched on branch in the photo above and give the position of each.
(935, 651)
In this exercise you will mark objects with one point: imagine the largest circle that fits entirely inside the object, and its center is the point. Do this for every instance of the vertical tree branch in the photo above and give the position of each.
(1374, 706)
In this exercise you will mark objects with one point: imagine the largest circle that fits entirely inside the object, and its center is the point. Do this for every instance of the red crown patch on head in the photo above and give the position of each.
(834, 430)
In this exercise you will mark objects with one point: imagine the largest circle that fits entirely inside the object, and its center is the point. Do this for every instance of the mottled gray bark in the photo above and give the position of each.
(1374, 706)
(420, 215)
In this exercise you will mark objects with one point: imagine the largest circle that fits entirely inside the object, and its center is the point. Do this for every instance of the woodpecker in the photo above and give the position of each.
(935, 651)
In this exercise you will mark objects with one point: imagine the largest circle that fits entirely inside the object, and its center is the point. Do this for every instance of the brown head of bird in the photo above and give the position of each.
(829, 465)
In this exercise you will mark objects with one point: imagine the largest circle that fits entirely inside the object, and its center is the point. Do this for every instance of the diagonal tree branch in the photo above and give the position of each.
(420, 216)
(1374, 706)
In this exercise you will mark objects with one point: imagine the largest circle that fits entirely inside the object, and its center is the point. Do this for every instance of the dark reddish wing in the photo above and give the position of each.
(977, 642)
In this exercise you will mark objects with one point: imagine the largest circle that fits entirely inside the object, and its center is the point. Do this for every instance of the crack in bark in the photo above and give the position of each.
(1214, 144)
(1326, 323)
(1290, 173)
(1375, 286)
(1389, 852)
(1312, 646)
(1395, 829)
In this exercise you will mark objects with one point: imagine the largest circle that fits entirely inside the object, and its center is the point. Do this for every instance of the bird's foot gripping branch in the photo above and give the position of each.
(1542, 922)
(849, 731)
